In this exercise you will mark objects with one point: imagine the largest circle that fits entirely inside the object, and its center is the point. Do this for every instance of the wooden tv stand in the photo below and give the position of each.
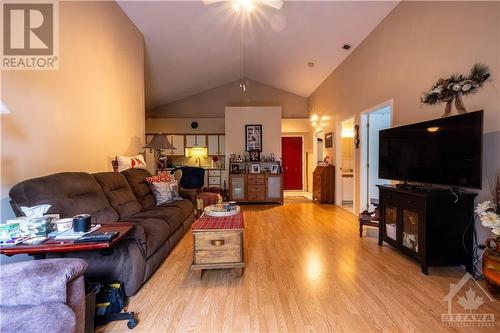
(428, 226)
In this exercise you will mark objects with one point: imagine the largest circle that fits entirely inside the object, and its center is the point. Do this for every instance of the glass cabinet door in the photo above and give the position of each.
(390, 215)
(410, 230)
(237, 188)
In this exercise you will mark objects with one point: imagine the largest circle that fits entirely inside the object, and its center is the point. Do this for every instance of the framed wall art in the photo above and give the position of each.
(253, 137)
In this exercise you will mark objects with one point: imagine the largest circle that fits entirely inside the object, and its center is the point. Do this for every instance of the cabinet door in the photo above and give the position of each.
(201, 140)
(178, 142)
(390, 221)
(237, 190)
(213, 145)
(222, 145)
(274, 187)
(190, 140)
(410, 232)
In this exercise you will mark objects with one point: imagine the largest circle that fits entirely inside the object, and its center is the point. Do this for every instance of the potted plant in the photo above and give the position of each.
(489, 214)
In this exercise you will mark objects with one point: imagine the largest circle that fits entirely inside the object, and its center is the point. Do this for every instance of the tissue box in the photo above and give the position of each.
(9, 231)
(40, 226)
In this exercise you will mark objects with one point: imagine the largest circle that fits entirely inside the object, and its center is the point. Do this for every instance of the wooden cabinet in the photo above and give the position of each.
(196, 141)
(216, 145)
(431, 227)
(178, 142)
(324, 184)
(259, 187)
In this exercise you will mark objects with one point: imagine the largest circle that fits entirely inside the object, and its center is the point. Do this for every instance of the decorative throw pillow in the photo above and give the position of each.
(164, 188)
(131, 162)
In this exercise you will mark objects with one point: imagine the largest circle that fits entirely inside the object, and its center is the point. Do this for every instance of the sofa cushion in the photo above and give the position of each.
(53, 317)
(119, 193)
(68, 193)
(137, 181)
(157, 232)
(173, 213)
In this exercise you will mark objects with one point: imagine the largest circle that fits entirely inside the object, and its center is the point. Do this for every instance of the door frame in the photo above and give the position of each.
(363, 136)
(303, 161)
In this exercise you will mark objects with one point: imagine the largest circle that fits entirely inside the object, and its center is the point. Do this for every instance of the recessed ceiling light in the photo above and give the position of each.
(346, 46)
(310, 64)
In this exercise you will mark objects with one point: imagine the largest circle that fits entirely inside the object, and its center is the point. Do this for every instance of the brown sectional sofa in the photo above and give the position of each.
(114, 197)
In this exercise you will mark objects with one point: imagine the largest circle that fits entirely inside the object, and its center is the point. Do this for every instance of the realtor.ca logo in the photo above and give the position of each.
(30, 35)
(468, 295)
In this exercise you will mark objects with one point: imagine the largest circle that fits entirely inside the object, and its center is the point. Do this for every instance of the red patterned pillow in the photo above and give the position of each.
(164, 188)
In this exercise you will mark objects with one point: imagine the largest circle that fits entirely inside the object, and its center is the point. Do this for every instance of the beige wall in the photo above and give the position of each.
(237, 117)
(92, 108)
(183, 125)
(417, 43)
(211, 103)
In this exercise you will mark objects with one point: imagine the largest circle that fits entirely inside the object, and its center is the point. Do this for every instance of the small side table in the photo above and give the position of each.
(51, 245)
(218, 243)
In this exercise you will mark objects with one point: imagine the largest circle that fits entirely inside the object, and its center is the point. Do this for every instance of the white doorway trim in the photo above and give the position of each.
(304, 166)
(363, 148)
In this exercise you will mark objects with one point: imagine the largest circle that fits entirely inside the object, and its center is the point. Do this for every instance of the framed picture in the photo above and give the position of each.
(235, 168)
(255, 168)
(253, 137)
(254, 155)
(275, 168)
(329, 140)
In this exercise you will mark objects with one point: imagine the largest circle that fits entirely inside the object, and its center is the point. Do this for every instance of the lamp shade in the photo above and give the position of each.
(159, 141)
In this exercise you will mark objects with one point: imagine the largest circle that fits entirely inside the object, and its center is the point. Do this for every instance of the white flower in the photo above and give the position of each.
(496, 231)
(457, 87)
(490, 220)
(466, 87)
(437, 90)
(483, 207)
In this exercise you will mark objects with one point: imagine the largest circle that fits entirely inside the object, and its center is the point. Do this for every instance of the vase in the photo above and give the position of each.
(459, 104)
(491, 265)
(447, 109)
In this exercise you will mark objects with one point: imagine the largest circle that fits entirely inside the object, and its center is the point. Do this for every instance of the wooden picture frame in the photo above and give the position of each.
(253, 137)
(329, 140)
(255, 168)
(254, 155)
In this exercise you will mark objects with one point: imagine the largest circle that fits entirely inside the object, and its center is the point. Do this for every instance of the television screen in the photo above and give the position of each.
(443, 151)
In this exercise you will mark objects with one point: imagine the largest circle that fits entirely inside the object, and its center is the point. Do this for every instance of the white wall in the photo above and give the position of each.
(267, 116)
(378, 122)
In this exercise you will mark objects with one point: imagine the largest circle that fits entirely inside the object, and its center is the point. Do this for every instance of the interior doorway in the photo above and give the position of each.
(346, 164)
(372, 122)
(292, 155)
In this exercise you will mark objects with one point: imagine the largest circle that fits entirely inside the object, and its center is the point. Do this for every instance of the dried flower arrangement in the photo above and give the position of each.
(489, 211)
(451, 89)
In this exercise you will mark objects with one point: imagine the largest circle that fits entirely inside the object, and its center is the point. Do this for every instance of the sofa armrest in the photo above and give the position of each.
(188, 195)
(38, 281)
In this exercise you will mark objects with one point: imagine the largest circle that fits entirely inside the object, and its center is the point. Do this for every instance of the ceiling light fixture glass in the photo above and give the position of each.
(247, 5)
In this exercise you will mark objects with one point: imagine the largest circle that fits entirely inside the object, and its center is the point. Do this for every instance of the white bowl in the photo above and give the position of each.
(64, 224)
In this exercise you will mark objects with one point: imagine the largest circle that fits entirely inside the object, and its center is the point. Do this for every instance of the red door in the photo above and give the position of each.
(291, 149)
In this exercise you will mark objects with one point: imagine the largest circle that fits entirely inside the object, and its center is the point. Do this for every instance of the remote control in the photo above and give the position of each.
(97, 237)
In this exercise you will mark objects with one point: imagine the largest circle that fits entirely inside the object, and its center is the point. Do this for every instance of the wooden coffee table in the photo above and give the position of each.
(52, 245)
(218, 243)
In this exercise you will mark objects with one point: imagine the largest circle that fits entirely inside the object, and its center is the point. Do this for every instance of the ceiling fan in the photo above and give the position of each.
(249, 5)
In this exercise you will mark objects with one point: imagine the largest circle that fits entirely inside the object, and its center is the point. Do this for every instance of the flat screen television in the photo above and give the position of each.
(445, 151)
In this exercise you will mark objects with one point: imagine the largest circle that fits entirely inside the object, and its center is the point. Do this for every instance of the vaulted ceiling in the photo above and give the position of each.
(191, 46)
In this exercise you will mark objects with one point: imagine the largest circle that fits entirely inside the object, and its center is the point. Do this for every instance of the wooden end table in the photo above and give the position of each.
(51, 245)
(218, 243)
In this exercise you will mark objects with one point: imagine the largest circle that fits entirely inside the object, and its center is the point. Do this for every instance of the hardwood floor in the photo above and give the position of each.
(307, 270)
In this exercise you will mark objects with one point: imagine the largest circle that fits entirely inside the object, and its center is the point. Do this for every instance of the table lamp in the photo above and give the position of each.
(158, 143)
